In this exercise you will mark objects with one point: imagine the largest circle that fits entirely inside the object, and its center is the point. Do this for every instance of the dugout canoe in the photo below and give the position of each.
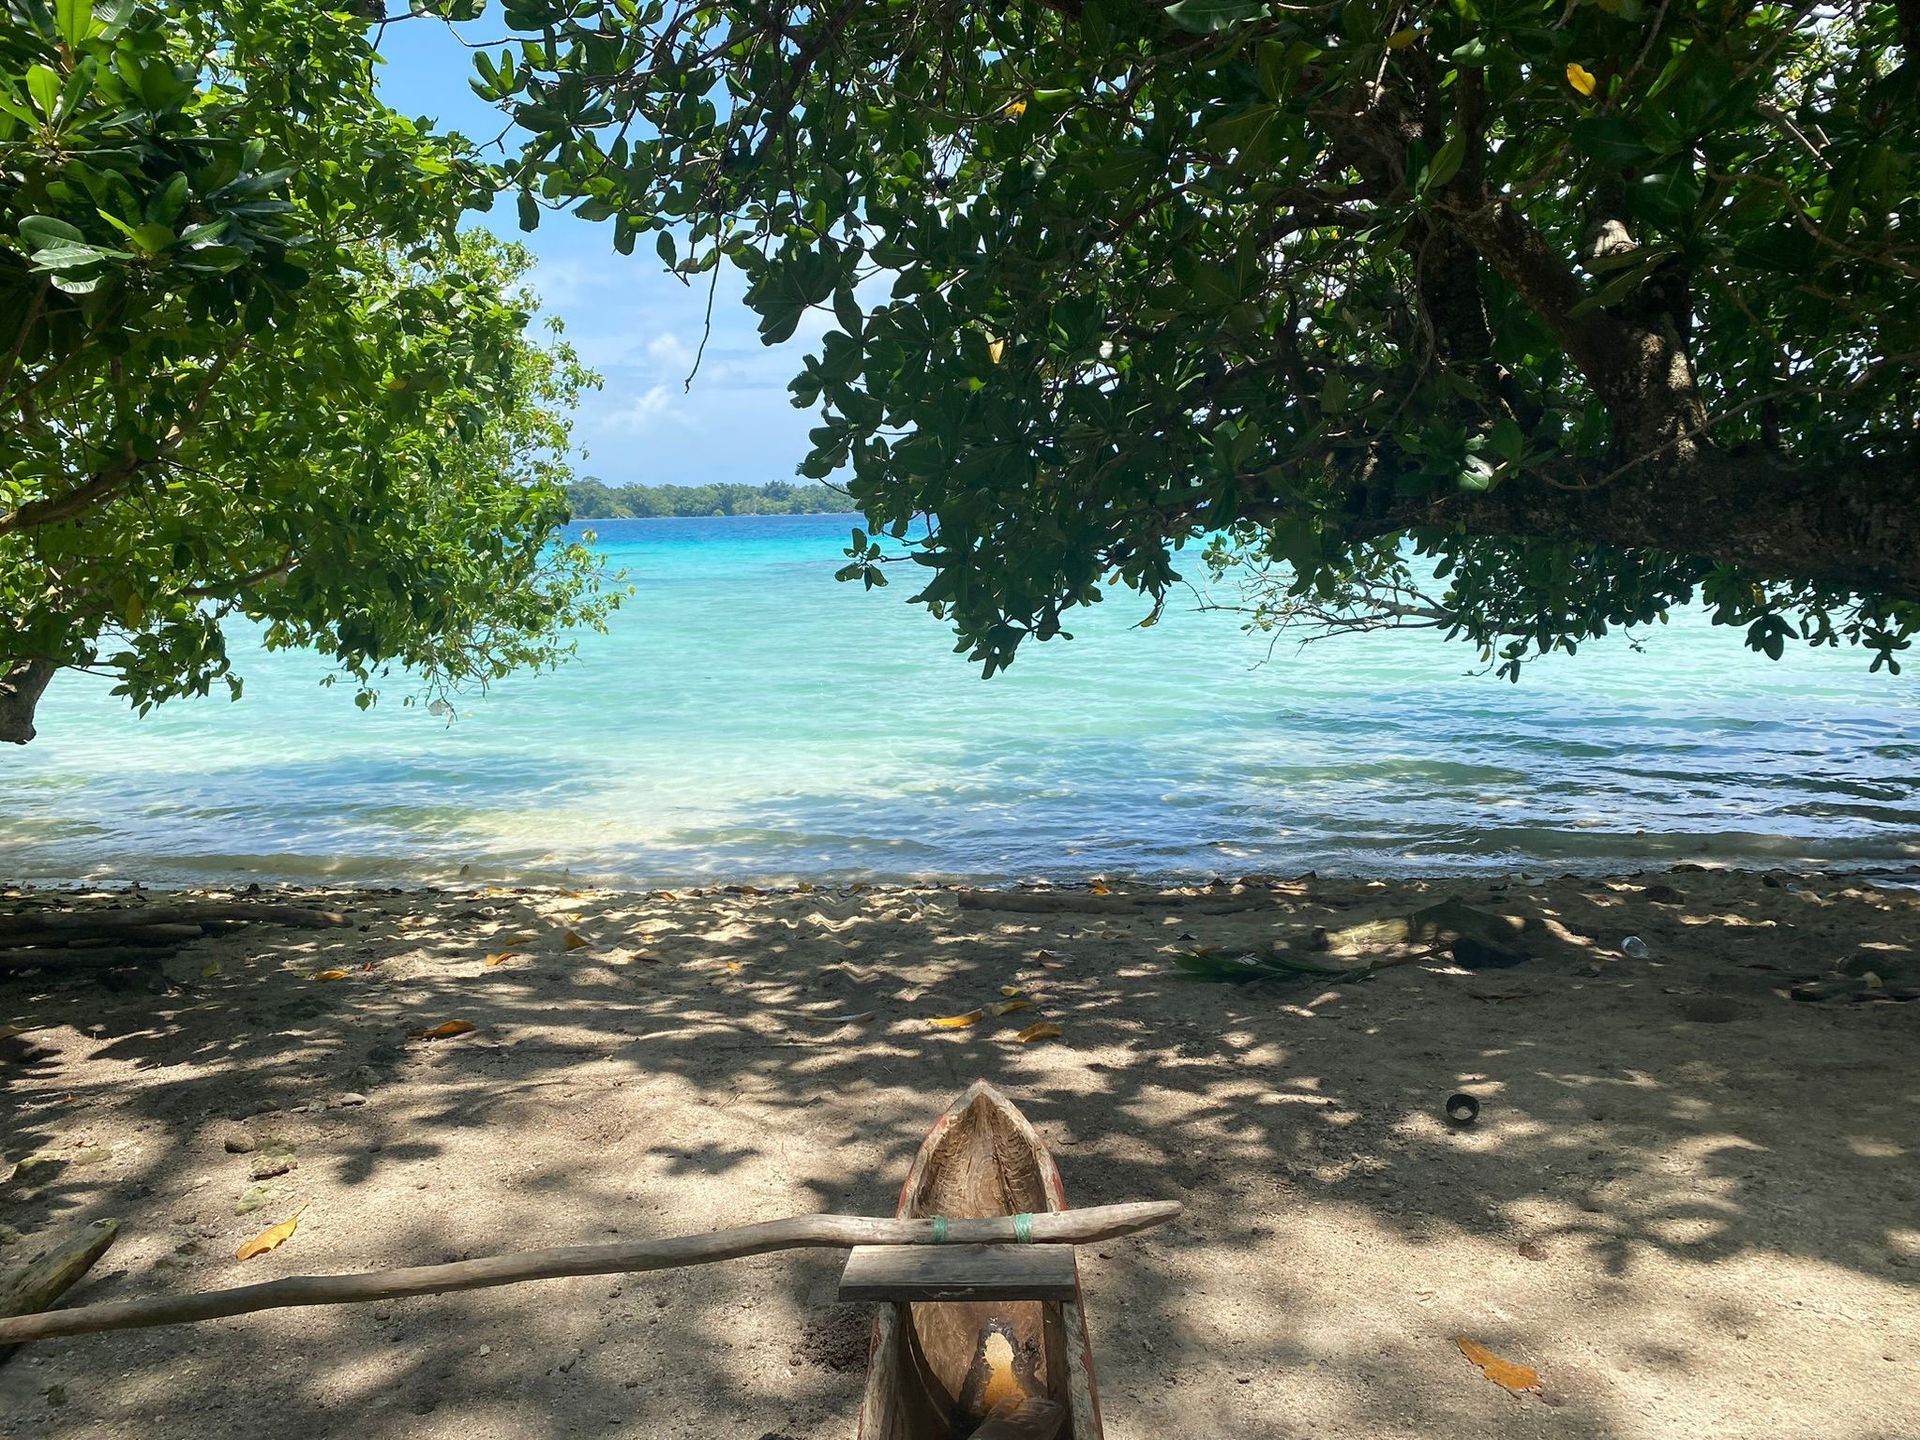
(991, 1370)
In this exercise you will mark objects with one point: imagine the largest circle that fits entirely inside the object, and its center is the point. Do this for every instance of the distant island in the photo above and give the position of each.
(596, 500)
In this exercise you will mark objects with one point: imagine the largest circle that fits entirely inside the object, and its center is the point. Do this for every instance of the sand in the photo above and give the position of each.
(1691, 1203)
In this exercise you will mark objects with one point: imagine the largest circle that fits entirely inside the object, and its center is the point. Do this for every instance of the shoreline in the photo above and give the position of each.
(1893, 874)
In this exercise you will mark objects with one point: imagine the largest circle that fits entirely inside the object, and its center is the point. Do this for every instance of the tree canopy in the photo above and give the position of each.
(248, 367)
(1526, 319)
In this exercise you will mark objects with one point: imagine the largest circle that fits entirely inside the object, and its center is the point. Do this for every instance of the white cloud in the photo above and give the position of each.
(563, 284)
(644, 411)
(668, 354)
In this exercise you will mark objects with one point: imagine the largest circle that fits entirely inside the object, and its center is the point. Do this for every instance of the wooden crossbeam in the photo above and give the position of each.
(959, 1272)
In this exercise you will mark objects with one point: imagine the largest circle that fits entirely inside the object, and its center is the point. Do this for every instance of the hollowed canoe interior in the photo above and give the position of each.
(960, 1359)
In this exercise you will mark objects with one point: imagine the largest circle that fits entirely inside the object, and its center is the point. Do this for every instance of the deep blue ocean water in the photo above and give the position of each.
(750, 718)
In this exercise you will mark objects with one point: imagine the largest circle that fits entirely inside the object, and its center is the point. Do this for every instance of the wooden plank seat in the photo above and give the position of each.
(903, 1273)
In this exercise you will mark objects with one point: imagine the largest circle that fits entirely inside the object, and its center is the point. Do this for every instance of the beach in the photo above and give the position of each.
(1686, 1202)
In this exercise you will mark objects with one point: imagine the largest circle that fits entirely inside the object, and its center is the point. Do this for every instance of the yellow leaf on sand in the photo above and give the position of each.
(332, 974)
(575, 941)
(7, 1032)
(1401, 39)
(1099, 887)
(958, 1022)
(444, 1031)
(1508, 1376)
(1581, 78)
(805, 887)
(494, 962)
(1045, 1030)
(1008, 1007)
(270, 1239)
(733, 967)
(211, 970)
(1010, 991)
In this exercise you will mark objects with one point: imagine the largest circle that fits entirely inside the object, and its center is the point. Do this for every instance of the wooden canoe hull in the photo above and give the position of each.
(934, 1369)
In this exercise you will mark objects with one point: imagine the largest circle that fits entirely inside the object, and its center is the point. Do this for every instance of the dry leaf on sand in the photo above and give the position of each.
(446, 1030)
(1518, 1378)
(272, 1238)
(494, 962)
(1045, 1030)
(331, 974)
(575, 941)
(958, 1022)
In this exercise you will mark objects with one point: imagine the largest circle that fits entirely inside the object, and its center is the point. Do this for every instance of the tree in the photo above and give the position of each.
(249, 369)
(1524, 318)
(594, 499)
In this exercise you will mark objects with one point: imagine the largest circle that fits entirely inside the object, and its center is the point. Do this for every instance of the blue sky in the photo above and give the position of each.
(635, 324)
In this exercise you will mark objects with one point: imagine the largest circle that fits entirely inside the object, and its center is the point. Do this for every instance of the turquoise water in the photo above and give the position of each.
(748, 717)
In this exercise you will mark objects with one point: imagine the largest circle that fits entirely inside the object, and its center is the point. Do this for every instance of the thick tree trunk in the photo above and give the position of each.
(21, 684)
(1855, 527)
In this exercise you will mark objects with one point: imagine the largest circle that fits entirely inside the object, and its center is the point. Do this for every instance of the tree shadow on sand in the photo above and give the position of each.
(1645, 1200)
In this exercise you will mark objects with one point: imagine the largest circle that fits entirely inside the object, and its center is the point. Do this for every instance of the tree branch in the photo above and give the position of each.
(1848, 526)
(1098, 1222)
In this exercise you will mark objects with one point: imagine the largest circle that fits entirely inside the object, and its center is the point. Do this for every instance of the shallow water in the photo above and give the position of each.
(749, 717)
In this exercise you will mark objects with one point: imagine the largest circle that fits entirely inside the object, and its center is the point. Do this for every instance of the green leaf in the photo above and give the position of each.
(1476, 474)
(38, 232)
(846, 309)
(1213, 285)
(1206, 16)
(43, 85)
(113, 16)
(151, 239)
(168, 201)
(64, 255)
(529, 211)
(1611, 139)
(1447, 161)
(74, 19)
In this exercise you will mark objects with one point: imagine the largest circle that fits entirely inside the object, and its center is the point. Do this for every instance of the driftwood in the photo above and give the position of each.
(1435, 927)
(120, 920)
(54, 1270)
(104, 936)
(1074, 1227)
(77, 957)
(1053, 902)
(119, 934)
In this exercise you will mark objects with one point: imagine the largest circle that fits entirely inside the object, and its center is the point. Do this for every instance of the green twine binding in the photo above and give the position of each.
(1022, 1229)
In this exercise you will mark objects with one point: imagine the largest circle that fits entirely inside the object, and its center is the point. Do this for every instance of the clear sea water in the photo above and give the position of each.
(750, 718)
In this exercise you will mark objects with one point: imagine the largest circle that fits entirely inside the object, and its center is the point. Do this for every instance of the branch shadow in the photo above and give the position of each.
(1649, 1206)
